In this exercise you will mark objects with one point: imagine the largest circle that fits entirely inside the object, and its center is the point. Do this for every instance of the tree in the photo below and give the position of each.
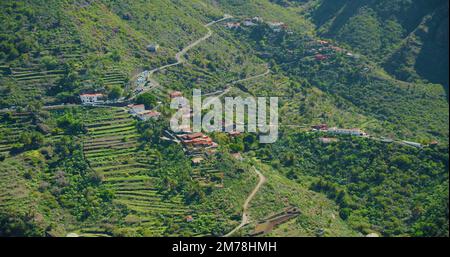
(237, 147)
(70, 124)
(31, 140)
(115, 92)
(147, 99)
(49, 62)
(115, 56)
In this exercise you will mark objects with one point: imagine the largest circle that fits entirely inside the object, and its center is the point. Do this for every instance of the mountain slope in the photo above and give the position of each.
(406, 37)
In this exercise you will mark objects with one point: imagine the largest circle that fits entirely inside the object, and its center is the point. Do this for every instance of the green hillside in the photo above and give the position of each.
(408, 38)
(99, 171)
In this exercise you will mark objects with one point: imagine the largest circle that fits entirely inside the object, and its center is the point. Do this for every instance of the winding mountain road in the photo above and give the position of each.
(245, 216)
(180, 55)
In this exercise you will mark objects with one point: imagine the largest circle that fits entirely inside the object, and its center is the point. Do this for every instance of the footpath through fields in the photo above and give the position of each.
(245, 216)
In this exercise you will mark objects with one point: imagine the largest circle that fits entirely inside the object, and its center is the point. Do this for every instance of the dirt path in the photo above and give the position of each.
(180, 55)
(252, 77)
(245, 218)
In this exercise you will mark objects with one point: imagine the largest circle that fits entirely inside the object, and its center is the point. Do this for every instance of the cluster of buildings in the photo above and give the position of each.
(351, 132)
(249, 22)
(141, 81)
(276, 26)
(322, 50)
(339, 131)
(139, 111)
(197, 140)
(233, 25)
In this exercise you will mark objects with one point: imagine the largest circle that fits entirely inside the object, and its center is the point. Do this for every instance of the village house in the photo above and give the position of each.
(147, 115)
(258, 19)
(197, 140)
(277, 26)
(192, 136)
(91, 99)
(197, 160)
(249, 23)
(323, 42)
(135, 109)
(189, 218)
(320, 57)
(153, 48)
(175, 94)
(352, 132)
(237, 156)
(327, 140)
(413, 144)
(234, 133)
(233, 25)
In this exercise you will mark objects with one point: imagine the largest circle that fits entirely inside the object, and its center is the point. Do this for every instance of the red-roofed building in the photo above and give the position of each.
(146, 115)
(233, 25)
(323, 42)
(189, 218)
(320, 57)
(175, 94)
(197, 140)
(193, 136)
(234, 133)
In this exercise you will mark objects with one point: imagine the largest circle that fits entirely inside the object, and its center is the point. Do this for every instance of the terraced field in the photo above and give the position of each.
(11, 129)
(112, 149)
(14, 193)
(31, 82)
(115, 77)
(208, 175)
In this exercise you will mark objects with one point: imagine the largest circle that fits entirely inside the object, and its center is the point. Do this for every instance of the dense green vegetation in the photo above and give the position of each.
(98, 171)
(393, 189)
(407, 110)
(52, 188)
(406, 37)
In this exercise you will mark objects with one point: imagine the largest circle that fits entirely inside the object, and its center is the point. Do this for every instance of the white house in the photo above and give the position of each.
(91, 99)
(351, 132)
(258, 19)
(249, 23)
(413, 144)
(276, 26)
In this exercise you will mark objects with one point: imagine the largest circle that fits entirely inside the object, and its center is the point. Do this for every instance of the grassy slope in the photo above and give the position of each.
(22, 203)
(94, 24)
(317, 212)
